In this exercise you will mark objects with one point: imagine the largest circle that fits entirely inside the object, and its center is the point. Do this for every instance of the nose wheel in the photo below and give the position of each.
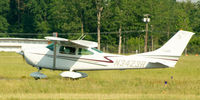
(37, 75)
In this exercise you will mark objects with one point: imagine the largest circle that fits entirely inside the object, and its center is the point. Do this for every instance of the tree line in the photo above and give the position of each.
(118, 22)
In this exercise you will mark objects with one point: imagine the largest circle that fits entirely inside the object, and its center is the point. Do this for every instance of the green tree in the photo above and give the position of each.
(3, 25)
(4, 8)
(63, 17)
(37, 12)
(182, 16)
(135, 44)
(194, 15)
(15, 16)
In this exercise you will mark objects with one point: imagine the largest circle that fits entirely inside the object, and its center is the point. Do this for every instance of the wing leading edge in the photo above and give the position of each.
(76, 43)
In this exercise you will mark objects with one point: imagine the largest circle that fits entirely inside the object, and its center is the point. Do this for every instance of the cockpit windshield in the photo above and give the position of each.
(80, 52)
(50, 46)
(97, 50)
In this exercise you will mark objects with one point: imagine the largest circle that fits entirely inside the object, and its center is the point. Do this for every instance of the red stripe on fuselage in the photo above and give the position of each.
(168, 59)
(106, 57)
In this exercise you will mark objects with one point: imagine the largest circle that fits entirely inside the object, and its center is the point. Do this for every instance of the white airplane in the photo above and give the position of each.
(81, 55)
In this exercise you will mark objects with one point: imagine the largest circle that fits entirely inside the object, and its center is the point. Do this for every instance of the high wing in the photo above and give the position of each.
(73, 43)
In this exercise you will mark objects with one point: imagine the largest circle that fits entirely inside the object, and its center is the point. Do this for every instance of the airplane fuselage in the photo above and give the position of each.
(43, 58)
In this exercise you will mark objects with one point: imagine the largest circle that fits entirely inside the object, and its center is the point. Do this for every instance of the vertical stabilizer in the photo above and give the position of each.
(175, 46)
(170, 52)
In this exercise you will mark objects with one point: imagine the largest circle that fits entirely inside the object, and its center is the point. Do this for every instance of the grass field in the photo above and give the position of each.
(183, 82)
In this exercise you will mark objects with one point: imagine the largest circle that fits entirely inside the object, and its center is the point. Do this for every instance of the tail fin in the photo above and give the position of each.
(172, 49)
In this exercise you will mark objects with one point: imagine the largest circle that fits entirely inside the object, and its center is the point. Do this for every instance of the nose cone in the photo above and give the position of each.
(21, 53)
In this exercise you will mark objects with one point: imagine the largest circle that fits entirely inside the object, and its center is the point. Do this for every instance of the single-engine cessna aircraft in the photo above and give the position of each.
(81, 55)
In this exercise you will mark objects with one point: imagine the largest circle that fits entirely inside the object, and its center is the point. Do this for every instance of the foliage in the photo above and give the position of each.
(43, 17)
(3, 24)
(194, 45)
(135, 44)
(4, 7)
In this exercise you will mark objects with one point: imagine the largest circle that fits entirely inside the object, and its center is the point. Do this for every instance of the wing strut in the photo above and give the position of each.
(54, 55)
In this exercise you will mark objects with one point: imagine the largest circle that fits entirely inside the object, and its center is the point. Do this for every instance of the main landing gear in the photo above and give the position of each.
(73, 75)
(37, 75)
(67, 74)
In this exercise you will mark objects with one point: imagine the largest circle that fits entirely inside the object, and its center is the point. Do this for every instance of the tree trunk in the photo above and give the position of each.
(168, 32)
(152, 47)
(82, 26)
(124, 44)
(186, 51)
(99, 26)
(120, 40)
(82, 31)
(18, 13)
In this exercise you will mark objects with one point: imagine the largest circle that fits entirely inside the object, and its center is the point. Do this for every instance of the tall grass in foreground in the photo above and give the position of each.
(181, 82)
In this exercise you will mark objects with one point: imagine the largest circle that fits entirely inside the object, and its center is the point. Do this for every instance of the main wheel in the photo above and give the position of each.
(36, 78)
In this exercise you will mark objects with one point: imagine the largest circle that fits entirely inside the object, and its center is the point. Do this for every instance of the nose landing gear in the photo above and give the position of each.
(37, 75)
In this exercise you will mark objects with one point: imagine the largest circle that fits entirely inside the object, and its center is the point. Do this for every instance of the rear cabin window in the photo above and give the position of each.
(67, 50)
(82, 51)
(97, 50)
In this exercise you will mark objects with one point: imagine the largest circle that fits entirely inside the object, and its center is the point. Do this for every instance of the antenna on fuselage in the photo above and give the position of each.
(81, 37)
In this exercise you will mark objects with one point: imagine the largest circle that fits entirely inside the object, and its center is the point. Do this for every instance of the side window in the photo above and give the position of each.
(67, 50)
(82, 51)
(97, 50)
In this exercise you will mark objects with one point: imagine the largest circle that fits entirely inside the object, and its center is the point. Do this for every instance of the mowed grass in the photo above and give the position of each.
(183, 82)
